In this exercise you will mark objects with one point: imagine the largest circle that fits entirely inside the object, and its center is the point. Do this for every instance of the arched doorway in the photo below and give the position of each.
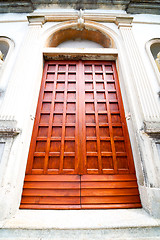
(80, 155)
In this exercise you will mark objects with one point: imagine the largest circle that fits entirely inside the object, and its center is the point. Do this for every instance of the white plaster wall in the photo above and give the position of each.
(78, 43)
(14, 27)
(143, 33)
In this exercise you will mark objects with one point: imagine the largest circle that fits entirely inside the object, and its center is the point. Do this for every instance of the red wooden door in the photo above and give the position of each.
(80, 154)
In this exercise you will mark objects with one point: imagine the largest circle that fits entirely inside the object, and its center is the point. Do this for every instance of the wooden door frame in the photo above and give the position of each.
(104, 54)
(85, 197)
(99, 54)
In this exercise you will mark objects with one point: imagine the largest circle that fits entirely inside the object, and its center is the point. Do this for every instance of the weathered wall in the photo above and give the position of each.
(129, 6)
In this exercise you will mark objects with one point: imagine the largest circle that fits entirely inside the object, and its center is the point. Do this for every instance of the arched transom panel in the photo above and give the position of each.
(82, 34)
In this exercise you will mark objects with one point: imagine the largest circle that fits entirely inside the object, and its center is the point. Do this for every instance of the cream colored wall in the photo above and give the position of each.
(78, 43)
(22, 83)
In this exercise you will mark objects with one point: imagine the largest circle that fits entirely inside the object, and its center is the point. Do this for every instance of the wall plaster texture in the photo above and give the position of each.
(21, 84)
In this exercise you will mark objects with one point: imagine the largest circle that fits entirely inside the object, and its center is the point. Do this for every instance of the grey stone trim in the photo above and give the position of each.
(152, 128)
(13, 6)
(8, 129)
(137, 233)
(132, 7)
(9, 132)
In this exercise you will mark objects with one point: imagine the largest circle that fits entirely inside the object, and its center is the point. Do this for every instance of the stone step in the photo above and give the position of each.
(120, 224)
(151, 233)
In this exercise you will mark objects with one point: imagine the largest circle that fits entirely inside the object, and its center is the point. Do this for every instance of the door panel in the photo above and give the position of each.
(80, 154)
(55, 145)
(51, 192)
(105, 137)
(109, 191)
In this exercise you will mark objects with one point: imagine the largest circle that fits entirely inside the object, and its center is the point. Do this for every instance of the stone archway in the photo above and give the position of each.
(92, 31)
(84, 34)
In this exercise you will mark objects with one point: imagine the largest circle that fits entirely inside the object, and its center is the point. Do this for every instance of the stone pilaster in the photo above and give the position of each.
(149, 104)
(15, 115)
(22, 79)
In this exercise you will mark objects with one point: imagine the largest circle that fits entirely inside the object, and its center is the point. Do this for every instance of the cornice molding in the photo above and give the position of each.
(9, 132)
(8, 128)
(36, 19)
(124, 21)
(85, 54)
(152, 128)
(41, 18)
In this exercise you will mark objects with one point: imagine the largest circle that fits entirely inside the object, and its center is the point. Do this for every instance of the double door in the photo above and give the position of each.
(80, 154)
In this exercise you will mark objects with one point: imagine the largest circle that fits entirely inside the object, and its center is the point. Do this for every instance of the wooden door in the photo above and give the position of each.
(80, 154)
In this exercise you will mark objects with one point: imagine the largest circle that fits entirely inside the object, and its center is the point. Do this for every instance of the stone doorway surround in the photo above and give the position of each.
(146, 109)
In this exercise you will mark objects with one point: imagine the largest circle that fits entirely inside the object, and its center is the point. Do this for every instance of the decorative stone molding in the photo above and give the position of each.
(36, 20)
(8, 129)
(85, 54)
(152, 128)
(60, 16)
(9, 132)
(79, 16)
(81, 19)
(124, 21)
(99, 17)
(52, 17)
